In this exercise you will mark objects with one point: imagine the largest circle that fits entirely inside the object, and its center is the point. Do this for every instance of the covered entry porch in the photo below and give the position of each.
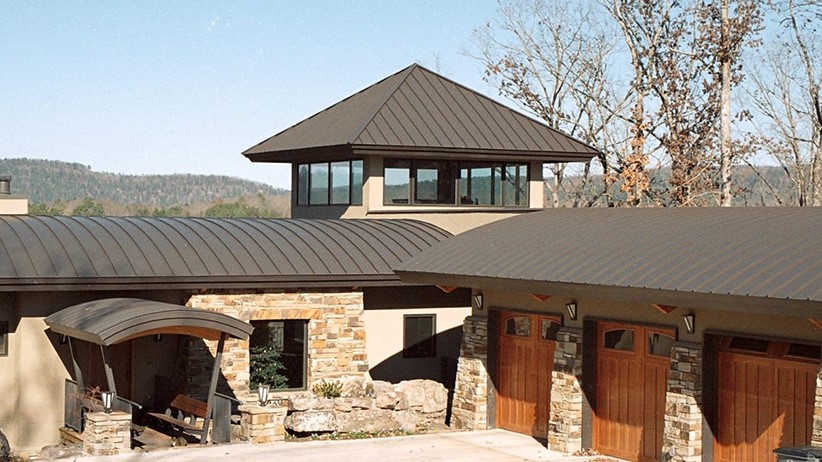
(109, 327)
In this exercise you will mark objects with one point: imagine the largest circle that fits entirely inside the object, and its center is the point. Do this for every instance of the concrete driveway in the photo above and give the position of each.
(478, 446)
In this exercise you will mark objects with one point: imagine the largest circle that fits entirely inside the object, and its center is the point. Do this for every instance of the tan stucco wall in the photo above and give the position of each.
(385, 339)
(14, 205)
(706, 320)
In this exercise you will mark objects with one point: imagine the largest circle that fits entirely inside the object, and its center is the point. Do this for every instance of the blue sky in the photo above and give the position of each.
(184, 87)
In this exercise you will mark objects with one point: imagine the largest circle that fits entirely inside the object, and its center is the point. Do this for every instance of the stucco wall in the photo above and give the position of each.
(706, 320)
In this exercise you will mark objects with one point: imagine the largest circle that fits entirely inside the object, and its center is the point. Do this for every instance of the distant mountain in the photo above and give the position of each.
(47, 181)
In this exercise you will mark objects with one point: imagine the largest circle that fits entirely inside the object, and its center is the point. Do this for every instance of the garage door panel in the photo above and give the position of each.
(765, 402)
(631, 388)
(524, 374)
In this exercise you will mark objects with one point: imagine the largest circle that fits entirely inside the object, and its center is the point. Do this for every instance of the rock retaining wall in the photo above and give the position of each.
(375, 407)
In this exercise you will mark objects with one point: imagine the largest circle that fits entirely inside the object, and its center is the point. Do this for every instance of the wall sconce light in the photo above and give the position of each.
(262, 394)
(63, 339)
(108, 398)
(158, 338)
(478, 301)
(689, 322)
(572, 310)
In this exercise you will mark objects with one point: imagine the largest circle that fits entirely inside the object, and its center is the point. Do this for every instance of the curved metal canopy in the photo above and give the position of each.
(114, 320)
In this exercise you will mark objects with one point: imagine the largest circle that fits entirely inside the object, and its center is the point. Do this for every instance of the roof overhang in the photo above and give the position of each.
(114, 320)
(346, 151)
(696, 300)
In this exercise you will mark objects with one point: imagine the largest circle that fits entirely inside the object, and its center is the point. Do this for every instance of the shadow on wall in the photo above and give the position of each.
(442, 368)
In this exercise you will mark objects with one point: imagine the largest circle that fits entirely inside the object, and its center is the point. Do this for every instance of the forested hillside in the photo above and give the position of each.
(44, 181)
(62, 188)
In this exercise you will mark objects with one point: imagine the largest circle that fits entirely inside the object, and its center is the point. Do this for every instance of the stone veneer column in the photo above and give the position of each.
(470, 405)
(682, 438)
(336, 336)
(107, 434)
(816, 436)
(565, 424)
(262, 424)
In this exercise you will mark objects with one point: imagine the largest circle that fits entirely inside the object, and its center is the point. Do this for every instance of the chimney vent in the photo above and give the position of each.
(5, 184)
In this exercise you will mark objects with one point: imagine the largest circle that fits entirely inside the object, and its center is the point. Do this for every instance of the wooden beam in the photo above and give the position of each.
(816, 323)
(212, 388)
(540, 297)
(664, 309)
(447, 289)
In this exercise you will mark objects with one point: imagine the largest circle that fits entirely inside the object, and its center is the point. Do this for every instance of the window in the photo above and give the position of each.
(278, 353)
(619, 339)
(660, 344)
(4, 338)
(441, 182)
(549, 329)
(335, 183)
(519, 326)
(420, 339)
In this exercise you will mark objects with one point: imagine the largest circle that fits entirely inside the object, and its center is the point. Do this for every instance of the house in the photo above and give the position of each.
(378, 178)
(687, 334)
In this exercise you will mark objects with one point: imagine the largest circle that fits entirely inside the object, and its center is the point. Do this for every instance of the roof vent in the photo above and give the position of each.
(5, 184)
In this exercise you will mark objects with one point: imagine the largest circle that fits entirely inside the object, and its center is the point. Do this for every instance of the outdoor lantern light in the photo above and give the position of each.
(689, 322)
(108, 398)
(572, 310)
(478, 301)
(158, 338)
(262, 394)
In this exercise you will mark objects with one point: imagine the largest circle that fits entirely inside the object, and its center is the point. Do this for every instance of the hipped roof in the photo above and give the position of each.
(677, 256)
(63, 253)
(419, 111)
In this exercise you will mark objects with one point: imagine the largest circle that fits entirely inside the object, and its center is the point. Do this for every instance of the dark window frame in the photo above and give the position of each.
(305, 361)
(452, 172)
(304, 185)
(4, 338)
(426, 348)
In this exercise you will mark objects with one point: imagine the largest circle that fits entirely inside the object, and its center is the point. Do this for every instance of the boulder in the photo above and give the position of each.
(371, 421)
(311, 422)
(362, 403)
(423, 395)
(407, 420)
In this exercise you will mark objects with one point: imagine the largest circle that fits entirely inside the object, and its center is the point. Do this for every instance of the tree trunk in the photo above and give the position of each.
(725, 114)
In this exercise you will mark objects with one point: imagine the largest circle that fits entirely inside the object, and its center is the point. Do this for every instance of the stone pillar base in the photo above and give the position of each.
(470, 406)
(262, 424)
(107, 434)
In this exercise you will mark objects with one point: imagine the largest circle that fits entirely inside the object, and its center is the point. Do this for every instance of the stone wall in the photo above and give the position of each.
(107, 434)
(565, 424)
(816, 436)
(470, 406)
(375, 407)
(336, 337)
(682, 438)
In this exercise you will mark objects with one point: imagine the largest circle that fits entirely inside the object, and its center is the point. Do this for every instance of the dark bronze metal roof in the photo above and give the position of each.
(41, 253)
(423, 112)
(773, 253)
(114, 320)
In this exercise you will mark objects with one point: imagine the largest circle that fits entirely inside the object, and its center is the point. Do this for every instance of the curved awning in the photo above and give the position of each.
(115, 320)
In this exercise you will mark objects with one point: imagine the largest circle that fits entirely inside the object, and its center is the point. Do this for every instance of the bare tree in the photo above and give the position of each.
(785, 92)
(550, 58)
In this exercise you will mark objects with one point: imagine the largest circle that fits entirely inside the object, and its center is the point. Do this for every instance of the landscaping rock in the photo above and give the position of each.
(372, 421)
(362, 403)
(311, 422)
(407, 420)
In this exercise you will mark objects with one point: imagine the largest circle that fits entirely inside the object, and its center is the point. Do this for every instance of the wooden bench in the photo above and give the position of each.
(182, 415)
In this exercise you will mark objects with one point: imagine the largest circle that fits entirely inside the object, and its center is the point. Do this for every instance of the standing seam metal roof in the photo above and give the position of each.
(420, 110)
(762, 252)
(44, 251)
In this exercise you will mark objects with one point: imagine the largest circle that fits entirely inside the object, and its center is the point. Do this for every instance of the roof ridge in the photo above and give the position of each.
(356, 132)
(377, 107)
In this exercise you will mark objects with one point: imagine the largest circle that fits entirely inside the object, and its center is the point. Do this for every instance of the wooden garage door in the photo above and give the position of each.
(632, 378)
(766, 398)
(526, 357)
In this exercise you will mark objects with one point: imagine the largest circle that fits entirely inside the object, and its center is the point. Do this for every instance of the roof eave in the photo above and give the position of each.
(709, 301)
